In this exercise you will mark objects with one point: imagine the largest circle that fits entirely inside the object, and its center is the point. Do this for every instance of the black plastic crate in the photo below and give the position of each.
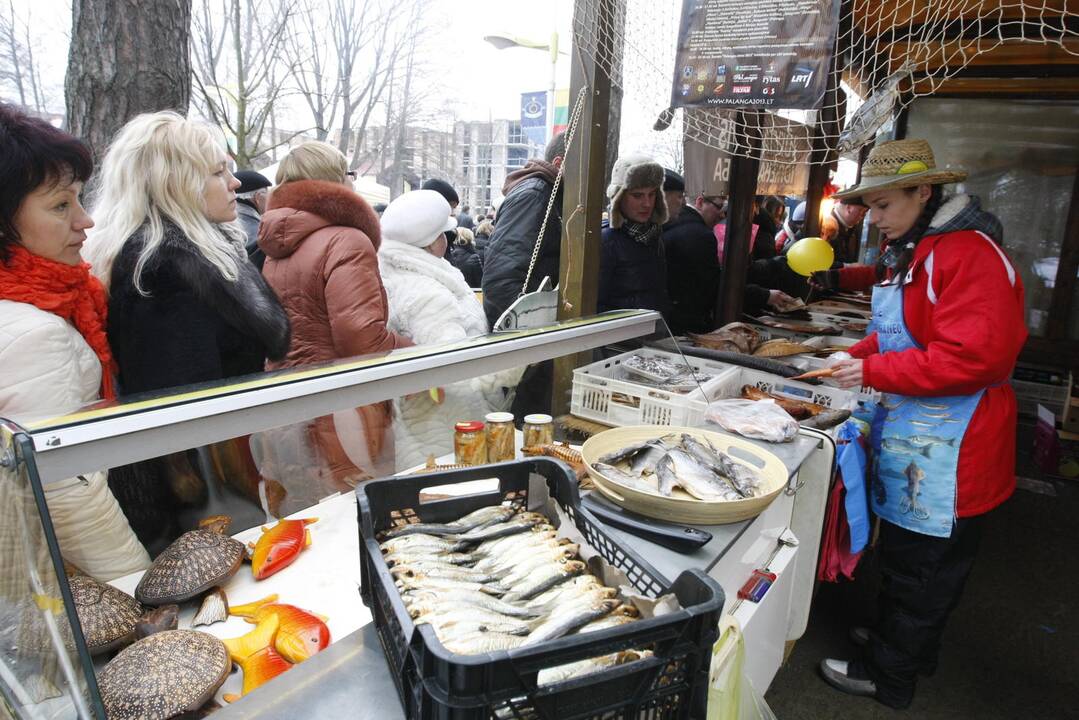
(435, 684)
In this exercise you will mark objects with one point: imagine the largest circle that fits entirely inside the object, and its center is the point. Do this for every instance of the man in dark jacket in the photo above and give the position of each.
(250, 204)
(464, 219)
(693, 269)
(509, 251)
(632, 267)
(769, 219)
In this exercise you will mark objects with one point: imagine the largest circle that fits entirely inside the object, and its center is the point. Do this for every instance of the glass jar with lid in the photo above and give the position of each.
(499, 436)
(469, 443)
(538, 430)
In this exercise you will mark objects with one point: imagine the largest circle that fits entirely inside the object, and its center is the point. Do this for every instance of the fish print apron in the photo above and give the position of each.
(915, 439)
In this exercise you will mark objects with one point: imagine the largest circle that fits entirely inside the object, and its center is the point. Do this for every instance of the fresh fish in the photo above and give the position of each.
(422, 543)
(717, 462)
(910, 503)
(468, 597)
(621, 477)
(561, 673)
(629, 451)
(532, 558)
(619, 616)
(564, 621)
(300, 634)
(463, 574)
(256, 655)
(521, 523)
(479, 519)
(481, 642)
(746, 480)
(499, 561)
(279, 546)
(426, 582)
(521, 573)
(697, 479)
(553, 576)
(646, 460)
(583, 587)
(656, 369)
(441, 614)
(405, 557)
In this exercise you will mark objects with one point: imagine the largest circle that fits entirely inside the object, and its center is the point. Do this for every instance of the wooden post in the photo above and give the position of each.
(823, 156)
(1060, 305)
(743, 185)
(584, 197)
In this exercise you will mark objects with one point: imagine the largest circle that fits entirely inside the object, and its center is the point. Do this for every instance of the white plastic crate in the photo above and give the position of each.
(1036, 385)
(830, 397)
(602, 393)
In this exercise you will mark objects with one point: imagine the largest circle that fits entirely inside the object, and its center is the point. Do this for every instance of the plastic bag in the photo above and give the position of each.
(758, 419)
(731, 696)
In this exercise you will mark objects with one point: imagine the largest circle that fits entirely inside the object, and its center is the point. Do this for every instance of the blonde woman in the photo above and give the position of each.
(321, 241)
(185, 304)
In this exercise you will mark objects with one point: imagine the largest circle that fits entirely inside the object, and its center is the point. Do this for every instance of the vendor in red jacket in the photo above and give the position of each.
(947, 328)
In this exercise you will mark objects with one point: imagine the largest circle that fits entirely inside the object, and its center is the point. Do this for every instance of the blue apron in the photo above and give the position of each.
(915, 439)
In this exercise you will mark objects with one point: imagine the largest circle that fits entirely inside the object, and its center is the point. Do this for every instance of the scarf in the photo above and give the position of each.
(65, 290)
(533, 168)
(644, 233)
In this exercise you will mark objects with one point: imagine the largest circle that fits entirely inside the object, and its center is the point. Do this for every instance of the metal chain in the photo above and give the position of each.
(554, 190)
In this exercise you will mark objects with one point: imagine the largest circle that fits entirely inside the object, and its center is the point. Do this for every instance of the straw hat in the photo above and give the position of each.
(900, 164)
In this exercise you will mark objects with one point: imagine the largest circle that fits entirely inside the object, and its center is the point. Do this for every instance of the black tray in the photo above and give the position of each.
(434, 683)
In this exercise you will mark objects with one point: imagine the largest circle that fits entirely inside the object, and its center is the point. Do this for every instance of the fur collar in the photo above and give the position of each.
(334, 203)
(406, 258)
(248, 305)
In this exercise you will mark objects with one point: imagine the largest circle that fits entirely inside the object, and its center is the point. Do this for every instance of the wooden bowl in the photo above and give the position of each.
(681, 506)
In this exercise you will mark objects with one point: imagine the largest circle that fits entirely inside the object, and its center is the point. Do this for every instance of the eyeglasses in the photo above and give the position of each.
(717, 205)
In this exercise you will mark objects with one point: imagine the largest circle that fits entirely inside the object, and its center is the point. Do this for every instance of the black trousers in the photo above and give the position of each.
(922, 580)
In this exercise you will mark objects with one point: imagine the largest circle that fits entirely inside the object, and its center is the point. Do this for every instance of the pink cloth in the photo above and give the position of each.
(720, 231)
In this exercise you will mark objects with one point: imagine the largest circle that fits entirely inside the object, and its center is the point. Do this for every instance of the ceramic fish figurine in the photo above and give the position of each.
(300, 634)
(256, 655)
(279, 546)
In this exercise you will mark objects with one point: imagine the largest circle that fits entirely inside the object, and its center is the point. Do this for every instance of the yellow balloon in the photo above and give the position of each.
(810, 255)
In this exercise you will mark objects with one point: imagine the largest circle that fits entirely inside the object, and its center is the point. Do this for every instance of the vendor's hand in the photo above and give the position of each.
(779, 299)
(848, 373)
(824, 280)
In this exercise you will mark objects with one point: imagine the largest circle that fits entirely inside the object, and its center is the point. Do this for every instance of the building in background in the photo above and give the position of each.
(486, 153)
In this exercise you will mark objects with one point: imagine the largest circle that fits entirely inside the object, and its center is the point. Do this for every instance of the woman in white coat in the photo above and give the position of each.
(430, 303)
(54, 354)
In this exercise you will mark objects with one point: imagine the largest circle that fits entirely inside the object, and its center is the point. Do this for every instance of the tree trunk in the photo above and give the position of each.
(127, 57)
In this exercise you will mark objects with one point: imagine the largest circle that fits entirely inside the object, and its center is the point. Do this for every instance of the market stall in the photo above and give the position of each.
(58, 677)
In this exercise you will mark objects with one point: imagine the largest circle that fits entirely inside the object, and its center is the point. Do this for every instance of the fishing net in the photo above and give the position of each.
(887, 54)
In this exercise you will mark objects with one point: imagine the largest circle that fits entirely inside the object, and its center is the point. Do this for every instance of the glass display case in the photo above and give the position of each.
(90, 498)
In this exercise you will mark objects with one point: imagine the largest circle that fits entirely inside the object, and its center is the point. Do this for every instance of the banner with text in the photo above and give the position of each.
(766, 53)
(783, 172)
(534, 117)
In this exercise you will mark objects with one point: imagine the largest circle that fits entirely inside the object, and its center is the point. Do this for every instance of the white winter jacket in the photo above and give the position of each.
(48, 369)
(430, 303)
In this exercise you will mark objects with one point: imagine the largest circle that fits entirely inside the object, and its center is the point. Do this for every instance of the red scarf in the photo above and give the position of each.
(65, 290)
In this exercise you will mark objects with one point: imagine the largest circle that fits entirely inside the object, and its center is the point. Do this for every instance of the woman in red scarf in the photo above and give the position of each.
(54, 354)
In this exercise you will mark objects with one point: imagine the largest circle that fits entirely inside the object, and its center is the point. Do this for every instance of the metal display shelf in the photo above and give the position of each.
(114, 435)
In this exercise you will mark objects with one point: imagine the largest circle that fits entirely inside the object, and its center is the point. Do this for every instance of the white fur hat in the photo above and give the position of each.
(632, 172)
(417, 218)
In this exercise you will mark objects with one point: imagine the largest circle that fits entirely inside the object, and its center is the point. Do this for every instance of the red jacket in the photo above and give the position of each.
(964, 307)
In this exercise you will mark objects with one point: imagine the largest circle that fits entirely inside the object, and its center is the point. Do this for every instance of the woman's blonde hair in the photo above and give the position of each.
(313, 160)
(485, 228)
(464, 237)
(156, 171)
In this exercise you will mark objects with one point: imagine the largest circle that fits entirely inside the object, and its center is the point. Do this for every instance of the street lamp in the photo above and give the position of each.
(503, 41)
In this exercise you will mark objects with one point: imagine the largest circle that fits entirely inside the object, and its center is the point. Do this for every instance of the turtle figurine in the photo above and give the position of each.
(195, 562)
(164, 675)
(111, 619)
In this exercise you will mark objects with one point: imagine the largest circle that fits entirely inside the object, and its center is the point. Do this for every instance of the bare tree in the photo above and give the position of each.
(19, 70)
(237, 47)
(126, 58)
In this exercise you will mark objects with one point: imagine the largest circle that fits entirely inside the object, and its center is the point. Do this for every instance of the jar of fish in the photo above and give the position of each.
(469, 443)
(538, 430)
(499, 436)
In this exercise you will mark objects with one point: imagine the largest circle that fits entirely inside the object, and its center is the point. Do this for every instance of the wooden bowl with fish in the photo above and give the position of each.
(683, 474)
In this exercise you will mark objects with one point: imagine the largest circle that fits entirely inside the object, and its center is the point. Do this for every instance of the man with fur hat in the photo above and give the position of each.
(632, 267)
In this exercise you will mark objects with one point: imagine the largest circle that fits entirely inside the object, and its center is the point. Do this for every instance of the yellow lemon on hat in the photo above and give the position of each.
(914, 166)
(810, 255)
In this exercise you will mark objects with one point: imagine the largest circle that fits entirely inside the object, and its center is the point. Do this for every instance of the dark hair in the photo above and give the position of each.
(444, 189)
(772, 203)
(556, 147)
(464, 208)
(32, 153)
(904, 246)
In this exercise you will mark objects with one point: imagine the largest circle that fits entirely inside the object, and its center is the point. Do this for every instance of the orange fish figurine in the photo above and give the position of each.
(279, 546)
(300, 634)
(256, 655)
